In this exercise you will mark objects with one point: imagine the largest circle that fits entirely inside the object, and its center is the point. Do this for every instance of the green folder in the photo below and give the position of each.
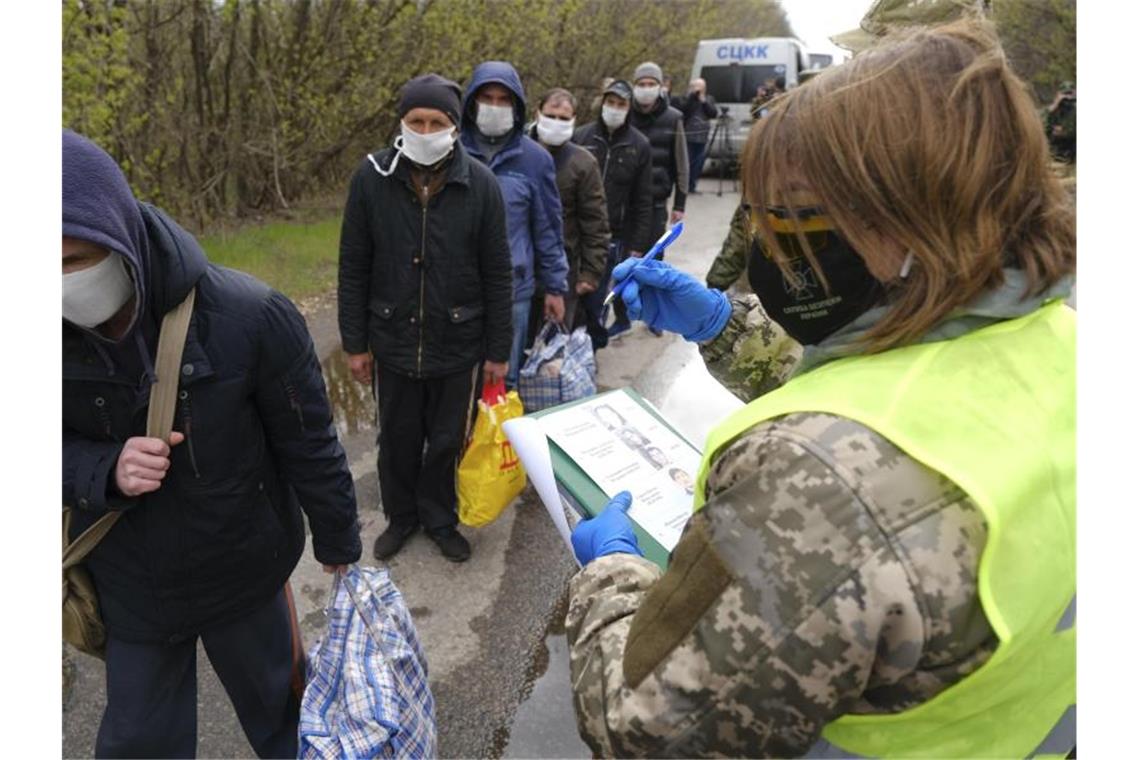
(583, 493)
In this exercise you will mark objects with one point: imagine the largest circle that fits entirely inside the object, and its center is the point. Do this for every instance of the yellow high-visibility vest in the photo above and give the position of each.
(995, 412)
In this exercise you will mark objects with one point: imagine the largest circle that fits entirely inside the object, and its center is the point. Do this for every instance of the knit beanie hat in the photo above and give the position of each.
(648, 69)
(431, 91)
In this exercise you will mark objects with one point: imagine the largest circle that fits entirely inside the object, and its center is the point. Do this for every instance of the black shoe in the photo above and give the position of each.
(453, 545)
(390, 541)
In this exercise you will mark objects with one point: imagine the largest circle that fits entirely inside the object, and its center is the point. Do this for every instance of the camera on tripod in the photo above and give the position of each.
(723, 111)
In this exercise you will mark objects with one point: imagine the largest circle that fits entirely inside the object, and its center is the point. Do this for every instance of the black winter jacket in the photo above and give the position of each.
(625, 161)
(427, 289)
(224, 531)
(663, 126)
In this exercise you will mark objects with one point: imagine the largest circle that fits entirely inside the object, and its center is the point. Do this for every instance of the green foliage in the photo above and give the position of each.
(1040, 38)
(297, 258)
(219, 109)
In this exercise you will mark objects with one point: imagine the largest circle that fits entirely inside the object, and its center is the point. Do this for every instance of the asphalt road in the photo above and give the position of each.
(490, 627)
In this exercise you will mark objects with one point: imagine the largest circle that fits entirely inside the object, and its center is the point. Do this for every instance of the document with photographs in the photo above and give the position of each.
(622, 447)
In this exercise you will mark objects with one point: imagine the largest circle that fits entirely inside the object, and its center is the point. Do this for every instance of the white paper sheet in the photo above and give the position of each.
(529, 441)
(622, 447)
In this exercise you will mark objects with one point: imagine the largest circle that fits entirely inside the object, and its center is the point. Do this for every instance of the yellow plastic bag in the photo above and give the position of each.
(490, 473)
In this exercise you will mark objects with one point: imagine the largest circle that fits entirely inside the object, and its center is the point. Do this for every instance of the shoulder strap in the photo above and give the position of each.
(159, 415)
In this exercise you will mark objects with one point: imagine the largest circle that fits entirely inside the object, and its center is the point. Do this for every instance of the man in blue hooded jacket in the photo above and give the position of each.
(494, 113)
(211, 526)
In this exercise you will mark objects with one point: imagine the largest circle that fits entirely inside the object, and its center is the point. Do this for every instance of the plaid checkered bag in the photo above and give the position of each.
(367, 692)
(559, 368)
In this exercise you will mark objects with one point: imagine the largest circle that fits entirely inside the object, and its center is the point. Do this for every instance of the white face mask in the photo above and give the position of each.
(646, 95)
(495, 121)
(429, 149)
(554, 131)
(613, 117)
(91, 296)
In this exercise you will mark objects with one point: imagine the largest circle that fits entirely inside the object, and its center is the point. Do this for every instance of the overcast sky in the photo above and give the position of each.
(814, 21)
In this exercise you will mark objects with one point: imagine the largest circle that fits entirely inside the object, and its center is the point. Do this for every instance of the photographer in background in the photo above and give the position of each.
(697, 108)
(1061, 123)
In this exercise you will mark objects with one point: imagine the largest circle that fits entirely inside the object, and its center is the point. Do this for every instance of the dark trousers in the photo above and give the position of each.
(423, 426)
(593, 313)
(697, 153)
(152, 689)
(657, 223)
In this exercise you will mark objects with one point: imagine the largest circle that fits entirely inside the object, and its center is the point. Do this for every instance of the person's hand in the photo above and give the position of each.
(337, 569)
(554, 308)
(669, 299)
(493, 372)
(676, 216)
(611, 532)
(143, 463)
(360, 365)
(584, 286)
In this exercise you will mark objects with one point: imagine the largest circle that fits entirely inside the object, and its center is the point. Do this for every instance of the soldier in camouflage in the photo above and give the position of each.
(730, 263)
(830, 573)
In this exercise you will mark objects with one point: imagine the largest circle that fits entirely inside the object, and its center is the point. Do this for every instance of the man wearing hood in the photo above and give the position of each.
(623, 154)
(585, 226)
(211, 526)
(664, 126)
(494, 112)
(424, 299)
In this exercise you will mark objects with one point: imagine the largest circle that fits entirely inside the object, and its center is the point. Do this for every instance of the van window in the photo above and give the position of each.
(736, 83)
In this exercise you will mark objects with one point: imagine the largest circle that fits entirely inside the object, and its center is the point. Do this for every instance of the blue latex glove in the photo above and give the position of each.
(669, 299)
(611, 532)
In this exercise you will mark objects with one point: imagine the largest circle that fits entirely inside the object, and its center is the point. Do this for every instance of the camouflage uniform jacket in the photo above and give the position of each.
(732, 260)
(829, 573)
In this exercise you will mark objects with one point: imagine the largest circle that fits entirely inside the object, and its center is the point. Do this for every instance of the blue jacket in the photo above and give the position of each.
(526, 176)
(222, 534)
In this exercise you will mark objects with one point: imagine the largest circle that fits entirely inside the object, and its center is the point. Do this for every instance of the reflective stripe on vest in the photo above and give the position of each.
(993, 411)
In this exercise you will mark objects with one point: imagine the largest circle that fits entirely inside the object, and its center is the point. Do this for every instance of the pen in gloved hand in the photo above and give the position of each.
(659, 247)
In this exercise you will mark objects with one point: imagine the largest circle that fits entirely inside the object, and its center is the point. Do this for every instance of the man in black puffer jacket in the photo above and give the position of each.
(425, 293)
(623, 154)
(212, 527)
(664, 126)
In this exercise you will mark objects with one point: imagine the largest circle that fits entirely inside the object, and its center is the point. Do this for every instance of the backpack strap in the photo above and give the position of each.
(159, 415)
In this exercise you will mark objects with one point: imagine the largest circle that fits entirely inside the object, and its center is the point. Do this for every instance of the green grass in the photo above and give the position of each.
(297, 258)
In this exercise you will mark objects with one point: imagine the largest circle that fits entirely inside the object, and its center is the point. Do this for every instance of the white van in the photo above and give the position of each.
(733, 68)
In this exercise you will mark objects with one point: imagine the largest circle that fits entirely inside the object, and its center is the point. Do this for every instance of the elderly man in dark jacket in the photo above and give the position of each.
(212, 527)
(425, 286)
(585, 224)
(623, 154)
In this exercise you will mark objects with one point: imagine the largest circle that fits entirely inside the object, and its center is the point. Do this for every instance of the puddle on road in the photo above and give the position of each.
(354, 409)
(544, 724)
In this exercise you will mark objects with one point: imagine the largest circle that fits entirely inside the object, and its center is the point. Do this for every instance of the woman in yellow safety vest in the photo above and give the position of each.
(883, 559)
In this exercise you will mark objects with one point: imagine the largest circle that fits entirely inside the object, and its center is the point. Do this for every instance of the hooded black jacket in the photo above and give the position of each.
(224, 531)
(625, 161)
(428, 289)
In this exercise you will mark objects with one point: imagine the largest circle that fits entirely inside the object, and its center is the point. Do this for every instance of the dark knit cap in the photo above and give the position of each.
(431, 91)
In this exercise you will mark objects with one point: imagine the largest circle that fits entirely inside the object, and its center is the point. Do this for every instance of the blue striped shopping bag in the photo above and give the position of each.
(367, 692)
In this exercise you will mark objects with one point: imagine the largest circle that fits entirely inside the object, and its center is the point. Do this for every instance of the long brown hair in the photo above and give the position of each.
(930, 140)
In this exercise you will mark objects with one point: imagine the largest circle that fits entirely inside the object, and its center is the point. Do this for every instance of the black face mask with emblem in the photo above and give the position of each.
(800, 304)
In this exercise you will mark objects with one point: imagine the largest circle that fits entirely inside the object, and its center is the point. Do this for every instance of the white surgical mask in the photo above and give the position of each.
(426, 150)
(91, 296)
(429, 149)
(554, 131)
(495, 121)
(613, 117)
(646, 95)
